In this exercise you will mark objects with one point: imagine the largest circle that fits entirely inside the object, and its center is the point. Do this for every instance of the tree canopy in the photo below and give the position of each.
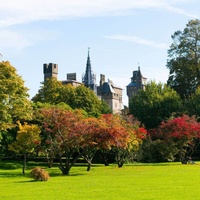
(154, 104)
(183, 132)
(27, 139)
(184, 59)
(70, 134)
(53, 91)
(14, 103)
(192, 104)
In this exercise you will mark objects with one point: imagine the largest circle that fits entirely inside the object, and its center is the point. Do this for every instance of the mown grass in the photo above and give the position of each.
(134, 181)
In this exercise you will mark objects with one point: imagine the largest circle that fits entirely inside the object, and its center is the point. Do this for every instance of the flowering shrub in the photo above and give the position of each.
(181, 128)
(39, 174)
(183, 131)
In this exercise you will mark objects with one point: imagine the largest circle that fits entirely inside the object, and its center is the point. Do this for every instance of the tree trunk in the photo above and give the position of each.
(65, 168)
(89, 161)
(120, 160)
(183, 157)
(120, 164)
(24, 164)
(104, 158)
(50, 163)
(88, 167)
(50, 157)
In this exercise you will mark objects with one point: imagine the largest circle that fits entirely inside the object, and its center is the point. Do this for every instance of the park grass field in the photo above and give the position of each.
(133, 181)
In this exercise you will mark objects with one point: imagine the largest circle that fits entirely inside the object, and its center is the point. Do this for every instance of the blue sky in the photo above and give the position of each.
(120, 33)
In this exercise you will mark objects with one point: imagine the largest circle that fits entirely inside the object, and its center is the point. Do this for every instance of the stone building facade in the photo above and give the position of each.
(111, 94)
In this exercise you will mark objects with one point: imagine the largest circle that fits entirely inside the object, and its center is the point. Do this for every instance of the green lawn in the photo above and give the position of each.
(136, 181)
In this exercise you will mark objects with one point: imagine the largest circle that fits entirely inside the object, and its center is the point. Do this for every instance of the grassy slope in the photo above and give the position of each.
(137, 181)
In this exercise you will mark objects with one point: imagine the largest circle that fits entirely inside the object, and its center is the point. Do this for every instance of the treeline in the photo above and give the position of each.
(67, 123)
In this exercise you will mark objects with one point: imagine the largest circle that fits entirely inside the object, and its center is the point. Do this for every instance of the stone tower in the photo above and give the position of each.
(50, 70)
(111, 94)
(89, 79)
(137, 83)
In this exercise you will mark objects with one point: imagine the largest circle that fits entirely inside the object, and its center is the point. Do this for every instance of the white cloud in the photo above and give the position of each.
(138, 40)
(10, 39)
(180, 11)
(22, 11)
(13, 12)
(20, 39)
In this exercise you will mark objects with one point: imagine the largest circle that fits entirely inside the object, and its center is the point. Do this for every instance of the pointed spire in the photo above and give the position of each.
(88, 51)
(139, 72)
(138, 66)
(88, 72)
(88, 65)
(89, 79)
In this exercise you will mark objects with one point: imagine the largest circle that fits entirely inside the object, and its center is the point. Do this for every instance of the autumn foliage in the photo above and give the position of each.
(26, 141)
(184, 127)
(182, 131)
(72, 135)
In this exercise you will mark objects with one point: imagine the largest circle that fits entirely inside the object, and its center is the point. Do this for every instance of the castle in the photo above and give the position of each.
(106, 91)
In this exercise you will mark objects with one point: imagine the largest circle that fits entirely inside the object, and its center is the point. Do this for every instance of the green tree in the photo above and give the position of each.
(81, 97)
(184, 59)
(105, 109)
(154, 104)
(192, 103)
(86, 99)
(14, 103)
(156, 150)
(26, 141)
(49, 92)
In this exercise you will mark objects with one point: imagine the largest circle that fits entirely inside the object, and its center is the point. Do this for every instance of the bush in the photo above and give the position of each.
(152, 151)
(39, 174)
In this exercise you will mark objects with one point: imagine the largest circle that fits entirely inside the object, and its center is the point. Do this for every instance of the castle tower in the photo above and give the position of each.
(102, 79)
(137, 83)
(89, 79)
(50, 70)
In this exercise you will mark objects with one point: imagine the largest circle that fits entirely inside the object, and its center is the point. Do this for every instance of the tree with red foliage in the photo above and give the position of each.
(124, 136)
(183, 131)
(72, 135)
(94, 138)
(48, 147)
(65, 133)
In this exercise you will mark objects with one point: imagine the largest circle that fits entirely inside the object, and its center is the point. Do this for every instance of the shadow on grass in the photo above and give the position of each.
(57, 174)
(10, 165)
(153, 164)
(28, 181)
(11, 175)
